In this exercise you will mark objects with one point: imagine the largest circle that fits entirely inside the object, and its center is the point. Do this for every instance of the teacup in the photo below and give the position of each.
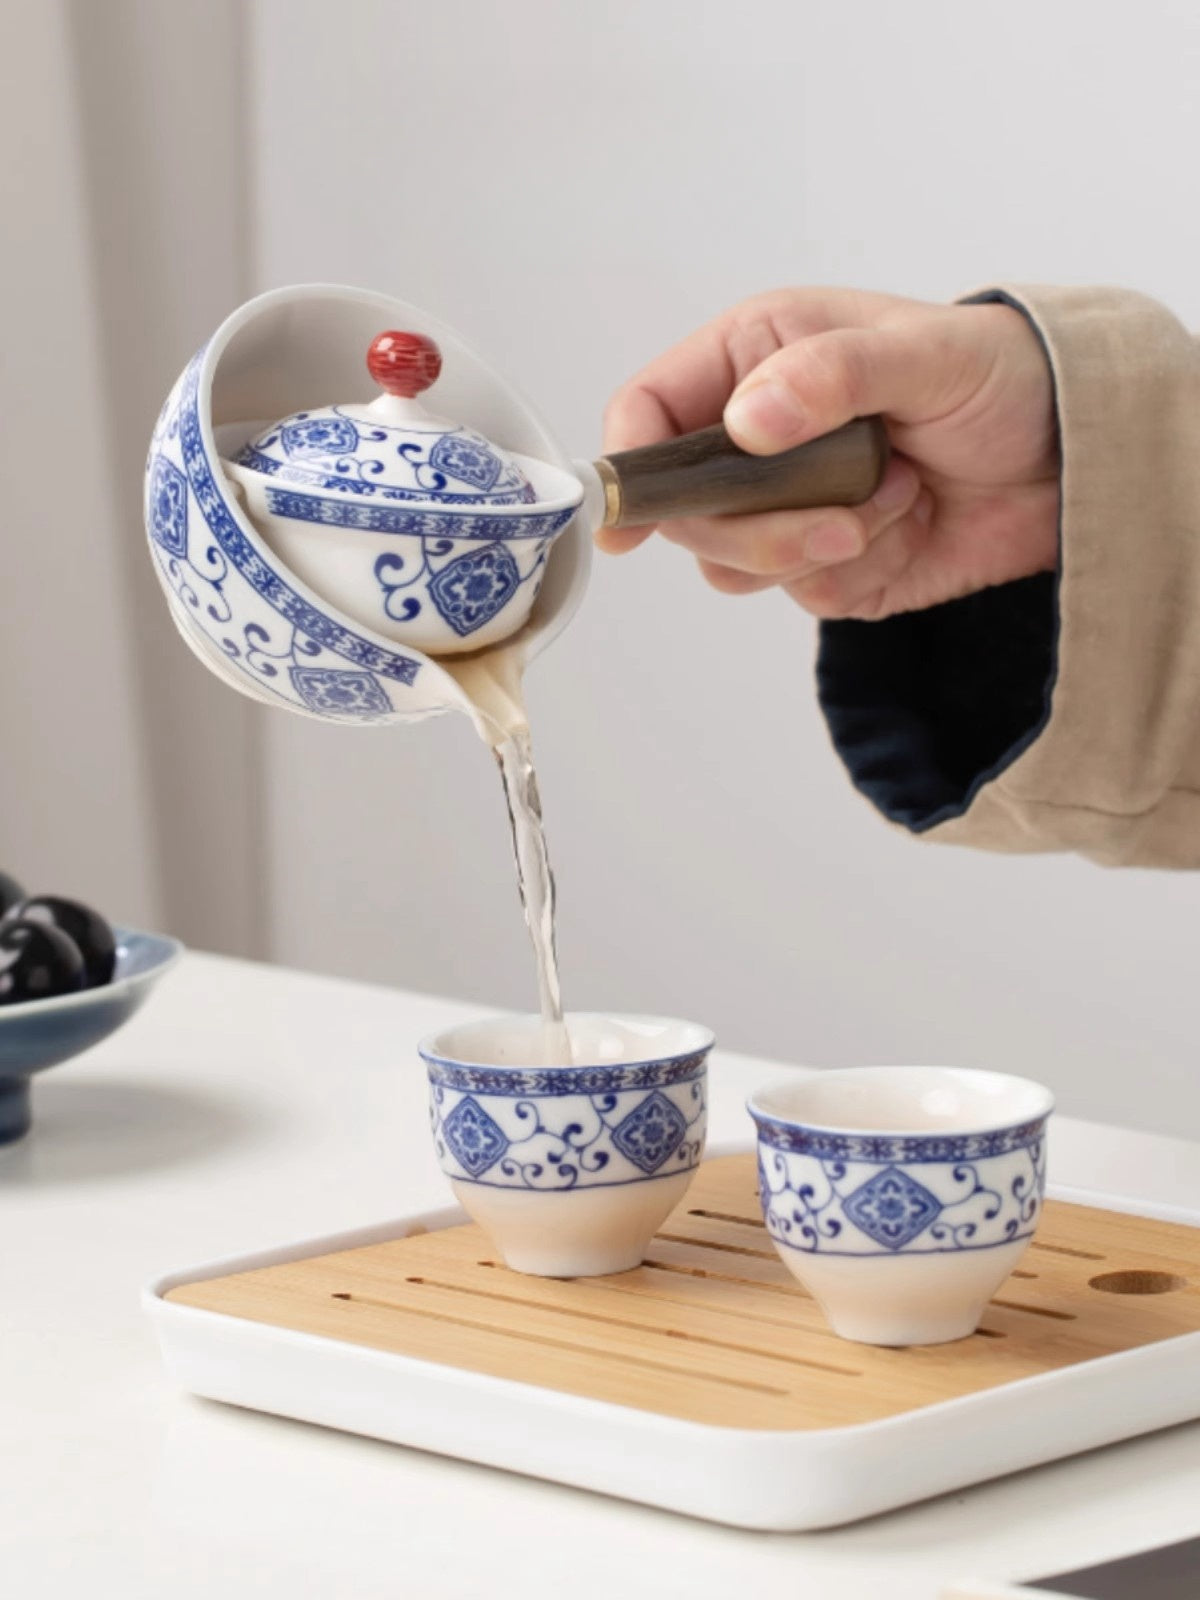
(902, 1197)
(569, 1170)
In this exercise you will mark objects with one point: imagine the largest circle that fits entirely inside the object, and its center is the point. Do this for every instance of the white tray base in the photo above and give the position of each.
(778, 1481)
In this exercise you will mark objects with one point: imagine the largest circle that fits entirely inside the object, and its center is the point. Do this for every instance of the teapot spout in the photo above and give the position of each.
(491, 682)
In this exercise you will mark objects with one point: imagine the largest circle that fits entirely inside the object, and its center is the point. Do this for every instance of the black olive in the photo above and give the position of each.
(37, 961)
(86, 928)
(11, 893)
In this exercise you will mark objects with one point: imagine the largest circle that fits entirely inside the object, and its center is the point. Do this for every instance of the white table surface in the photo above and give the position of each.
(248, 1106)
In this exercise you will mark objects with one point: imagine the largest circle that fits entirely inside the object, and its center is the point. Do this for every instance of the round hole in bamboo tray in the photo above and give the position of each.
(1138, 1280)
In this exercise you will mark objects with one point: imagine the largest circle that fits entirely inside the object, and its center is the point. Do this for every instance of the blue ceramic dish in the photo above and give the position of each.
(40, 1033)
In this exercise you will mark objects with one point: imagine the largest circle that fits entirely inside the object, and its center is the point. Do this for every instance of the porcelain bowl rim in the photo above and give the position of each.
(429, 1052)
(171, 951)
(570, 494)
(1001, 1123)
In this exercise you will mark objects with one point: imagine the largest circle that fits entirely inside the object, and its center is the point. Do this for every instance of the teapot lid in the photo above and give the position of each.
(391, 448)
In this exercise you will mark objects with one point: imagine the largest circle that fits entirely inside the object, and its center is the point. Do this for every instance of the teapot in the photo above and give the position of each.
(413, 525)
(371, 560)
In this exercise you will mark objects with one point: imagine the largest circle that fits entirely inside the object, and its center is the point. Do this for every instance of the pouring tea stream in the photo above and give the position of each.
(376, 562)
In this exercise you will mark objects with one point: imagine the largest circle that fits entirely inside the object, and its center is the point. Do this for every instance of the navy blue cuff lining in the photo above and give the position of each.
(927, 707)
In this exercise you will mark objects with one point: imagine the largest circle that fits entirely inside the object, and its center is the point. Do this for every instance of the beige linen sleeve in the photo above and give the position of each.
(1101, 754)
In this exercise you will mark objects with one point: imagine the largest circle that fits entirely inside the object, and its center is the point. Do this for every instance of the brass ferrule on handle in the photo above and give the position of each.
(705, 474)
(611, 485)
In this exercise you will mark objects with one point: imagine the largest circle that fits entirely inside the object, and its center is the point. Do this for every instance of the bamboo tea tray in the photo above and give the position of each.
(705, 1381)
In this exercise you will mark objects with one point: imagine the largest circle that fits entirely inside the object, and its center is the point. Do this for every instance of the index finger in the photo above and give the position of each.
(688, 385)
(684, 388)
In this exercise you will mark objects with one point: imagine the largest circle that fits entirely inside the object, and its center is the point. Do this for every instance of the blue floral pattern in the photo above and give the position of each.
(318, 436)
(424, 460)
(239, 599)
(422, 524)
(467, 590)
(466, 458)
(338, 692)
(891, 1208)
(475, 587)
(168, 506)
(198, 577)
(522, 1081)
(348, 482)
(473, 1139)
(900, 1147)
(264, 579)
(651, 1132)
(567, 1137)
(856, 1195)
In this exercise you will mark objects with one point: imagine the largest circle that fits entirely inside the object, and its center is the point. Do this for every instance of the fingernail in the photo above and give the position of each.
(834, 541)
(766, 416)
(897, 488)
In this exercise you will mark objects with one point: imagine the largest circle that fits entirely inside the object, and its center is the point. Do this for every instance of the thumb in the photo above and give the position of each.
(817, 384)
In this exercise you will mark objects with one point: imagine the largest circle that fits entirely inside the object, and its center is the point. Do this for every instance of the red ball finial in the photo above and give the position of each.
(403, 363)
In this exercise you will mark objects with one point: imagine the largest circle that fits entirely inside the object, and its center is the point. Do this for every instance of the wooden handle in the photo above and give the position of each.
(706, 474)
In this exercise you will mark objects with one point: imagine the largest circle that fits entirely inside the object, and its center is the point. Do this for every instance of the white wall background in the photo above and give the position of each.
(125, 777)
(576, 186)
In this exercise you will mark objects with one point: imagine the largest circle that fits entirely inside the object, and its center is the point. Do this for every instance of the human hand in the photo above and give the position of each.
(971, 495)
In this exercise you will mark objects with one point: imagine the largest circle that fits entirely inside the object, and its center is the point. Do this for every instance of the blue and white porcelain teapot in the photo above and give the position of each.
(414, 525)
(315, 601)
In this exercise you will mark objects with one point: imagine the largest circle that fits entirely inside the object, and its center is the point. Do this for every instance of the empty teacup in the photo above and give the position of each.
(570, 1170)
(902, 1197)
